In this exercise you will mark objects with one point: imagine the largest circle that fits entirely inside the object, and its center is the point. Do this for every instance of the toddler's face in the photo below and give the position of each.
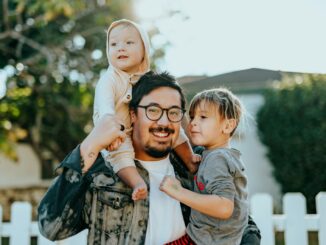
(206, 127)
(126, 49)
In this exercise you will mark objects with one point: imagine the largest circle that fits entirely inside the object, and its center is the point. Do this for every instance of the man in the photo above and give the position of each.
(88, 195)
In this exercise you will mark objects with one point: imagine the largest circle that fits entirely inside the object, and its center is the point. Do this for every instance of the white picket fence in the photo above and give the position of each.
(294, 222)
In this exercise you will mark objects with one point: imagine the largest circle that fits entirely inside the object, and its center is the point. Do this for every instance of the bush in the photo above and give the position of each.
(292, 125)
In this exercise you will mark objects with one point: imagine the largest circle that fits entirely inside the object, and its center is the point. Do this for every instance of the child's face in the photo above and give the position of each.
(206, 127)
(126, 49)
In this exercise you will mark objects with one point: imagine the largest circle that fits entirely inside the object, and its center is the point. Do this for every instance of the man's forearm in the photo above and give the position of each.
(88, 155)
(103, 134)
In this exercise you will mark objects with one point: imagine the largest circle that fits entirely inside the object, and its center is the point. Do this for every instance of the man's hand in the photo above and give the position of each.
(171, 186)
(103, 134)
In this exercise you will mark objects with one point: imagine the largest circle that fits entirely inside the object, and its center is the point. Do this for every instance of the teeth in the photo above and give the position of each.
(160, 134)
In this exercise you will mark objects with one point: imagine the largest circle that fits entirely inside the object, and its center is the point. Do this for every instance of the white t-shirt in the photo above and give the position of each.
(165, 222)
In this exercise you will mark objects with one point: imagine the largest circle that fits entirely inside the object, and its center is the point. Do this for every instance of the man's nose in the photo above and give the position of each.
(164, 120)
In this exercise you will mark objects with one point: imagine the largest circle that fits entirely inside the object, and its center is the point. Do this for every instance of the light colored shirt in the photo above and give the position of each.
(165, 222)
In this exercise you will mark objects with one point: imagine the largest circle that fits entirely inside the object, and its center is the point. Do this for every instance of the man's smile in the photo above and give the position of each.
(161, 132)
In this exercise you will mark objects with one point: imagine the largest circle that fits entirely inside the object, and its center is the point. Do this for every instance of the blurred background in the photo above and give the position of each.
(272, 54)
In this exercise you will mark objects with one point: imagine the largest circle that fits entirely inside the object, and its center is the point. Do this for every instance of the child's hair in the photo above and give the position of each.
(227, 105)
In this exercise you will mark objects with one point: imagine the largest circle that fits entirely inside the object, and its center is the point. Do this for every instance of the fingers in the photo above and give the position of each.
(196, 158)
(166, 180)
(162, 184)
(115, 144)
(140, 192)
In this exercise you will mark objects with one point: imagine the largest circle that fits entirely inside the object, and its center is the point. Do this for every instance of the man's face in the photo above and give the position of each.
(153, 140)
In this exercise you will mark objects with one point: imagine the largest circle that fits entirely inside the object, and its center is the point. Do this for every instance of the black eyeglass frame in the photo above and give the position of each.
(183, 111)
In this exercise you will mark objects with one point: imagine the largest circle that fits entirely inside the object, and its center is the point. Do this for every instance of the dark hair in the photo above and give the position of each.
(151, 81)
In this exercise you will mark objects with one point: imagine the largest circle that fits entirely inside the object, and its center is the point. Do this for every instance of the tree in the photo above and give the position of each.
(292, 125)
(53, 53)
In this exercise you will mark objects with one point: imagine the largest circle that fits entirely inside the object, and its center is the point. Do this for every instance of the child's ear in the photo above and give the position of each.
(229, 126)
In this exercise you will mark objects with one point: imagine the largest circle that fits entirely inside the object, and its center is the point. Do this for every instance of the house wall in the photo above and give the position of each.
(258, 166)
(25, 172)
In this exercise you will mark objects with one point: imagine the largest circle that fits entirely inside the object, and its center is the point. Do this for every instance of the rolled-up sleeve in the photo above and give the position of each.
(218, 177)
(60, 212)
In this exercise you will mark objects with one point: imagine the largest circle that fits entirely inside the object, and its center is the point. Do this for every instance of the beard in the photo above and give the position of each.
(157, 153)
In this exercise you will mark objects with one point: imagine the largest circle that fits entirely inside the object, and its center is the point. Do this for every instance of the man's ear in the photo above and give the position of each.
(229, 126)
(132, 116)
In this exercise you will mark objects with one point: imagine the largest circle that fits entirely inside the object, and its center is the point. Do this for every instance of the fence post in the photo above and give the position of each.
(295, 210)
(21, 218)
(262, 212)
(0, 224)
(43, 241)
(321, 212)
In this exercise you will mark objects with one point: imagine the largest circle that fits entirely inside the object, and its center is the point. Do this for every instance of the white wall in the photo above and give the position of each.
(26, 172)
(258, 167)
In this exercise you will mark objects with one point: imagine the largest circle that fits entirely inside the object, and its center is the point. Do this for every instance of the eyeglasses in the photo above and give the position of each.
(155, 112)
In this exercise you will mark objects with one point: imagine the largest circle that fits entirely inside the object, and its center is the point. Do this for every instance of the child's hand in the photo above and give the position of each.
(171, 186)
(196, 158)
(194, 163)
(115, 144)
(140, 192)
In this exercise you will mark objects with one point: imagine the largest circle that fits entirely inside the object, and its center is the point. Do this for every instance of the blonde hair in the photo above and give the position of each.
(227, 105)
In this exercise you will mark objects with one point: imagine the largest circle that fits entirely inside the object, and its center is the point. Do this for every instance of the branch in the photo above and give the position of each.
(25, 27)
(34, 45)
(5, 14)
(92, 31)
(5, 34)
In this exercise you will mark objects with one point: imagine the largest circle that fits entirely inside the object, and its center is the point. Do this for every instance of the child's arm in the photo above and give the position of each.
(104, 97)
(210, 204)
(104, 105)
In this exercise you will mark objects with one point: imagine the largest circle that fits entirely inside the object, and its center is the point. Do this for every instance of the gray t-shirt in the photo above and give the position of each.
(221, 172)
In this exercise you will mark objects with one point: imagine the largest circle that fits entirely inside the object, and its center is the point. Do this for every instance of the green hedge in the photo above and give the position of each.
(292, 124)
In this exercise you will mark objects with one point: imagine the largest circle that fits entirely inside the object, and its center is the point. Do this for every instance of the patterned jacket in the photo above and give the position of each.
(100, 202)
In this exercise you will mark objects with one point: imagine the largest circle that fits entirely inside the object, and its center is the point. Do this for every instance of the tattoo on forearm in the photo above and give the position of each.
(82, 161)
(91, 154)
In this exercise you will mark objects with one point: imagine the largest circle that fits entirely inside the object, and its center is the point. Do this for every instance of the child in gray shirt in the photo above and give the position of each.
(219, 205)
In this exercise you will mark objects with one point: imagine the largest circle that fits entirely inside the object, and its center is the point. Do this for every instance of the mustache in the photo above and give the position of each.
(162, 129)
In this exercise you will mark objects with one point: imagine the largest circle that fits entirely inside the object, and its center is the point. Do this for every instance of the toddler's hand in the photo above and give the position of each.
(171, 186)
(115, 144)
(140, 192)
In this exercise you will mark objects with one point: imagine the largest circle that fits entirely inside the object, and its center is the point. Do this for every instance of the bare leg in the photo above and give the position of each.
(131, 177)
